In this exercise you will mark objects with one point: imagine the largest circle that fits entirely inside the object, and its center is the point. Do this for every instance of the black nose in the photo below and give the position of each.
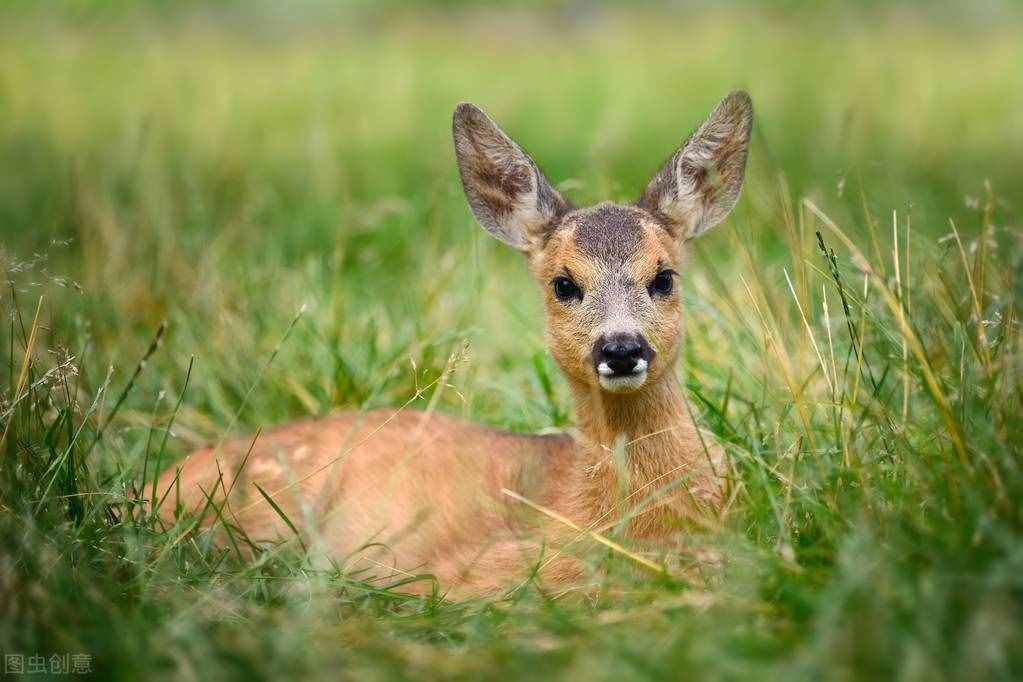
(619, 355)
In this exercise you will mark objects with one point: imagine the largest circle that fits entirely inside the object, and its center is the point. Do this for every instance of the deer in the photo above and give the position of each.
(400, 494)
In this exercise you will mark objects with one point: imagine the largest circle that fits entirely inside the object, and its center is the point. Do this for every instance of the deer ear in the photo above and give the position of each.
(700, 183)
(506, 191)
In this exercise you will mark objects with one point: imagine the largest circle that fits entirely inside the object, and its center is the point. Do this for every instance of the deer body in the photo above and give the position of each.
(400, 493)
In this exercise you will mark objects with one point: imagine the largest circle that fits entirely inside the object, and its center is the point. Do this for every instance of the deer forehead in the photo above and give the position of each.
(594, 243)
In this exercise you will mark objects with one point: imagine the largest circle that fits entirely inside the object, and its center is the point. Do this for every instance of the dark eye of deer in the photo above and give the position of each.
(565, 289)
(662, 283)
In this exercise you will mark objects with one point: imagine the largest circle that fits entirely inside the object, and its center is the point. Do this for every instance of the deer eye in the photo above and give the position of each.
(662, 284)
(565, 289)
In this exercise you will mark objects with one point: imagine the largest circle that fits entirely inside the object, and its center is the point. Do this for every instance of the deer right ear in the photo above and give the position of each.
(507, 193)
(700, 183)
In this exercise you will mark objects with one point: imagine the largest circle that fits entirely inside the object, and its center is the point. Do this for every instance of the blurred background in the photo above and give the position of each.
(220, 165)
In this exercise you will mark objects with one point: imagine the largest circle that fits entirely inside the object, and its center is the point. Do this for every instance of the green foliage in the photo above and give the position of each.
(283, 198)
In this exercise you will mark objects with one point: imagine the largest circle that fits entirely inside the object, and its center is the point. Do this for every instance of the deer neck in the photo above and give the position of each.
(636, 445)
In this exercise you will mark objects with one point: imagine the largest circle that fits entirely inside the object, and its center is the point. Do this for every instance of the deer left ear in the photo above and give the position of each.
(700, 183)
(507, 193)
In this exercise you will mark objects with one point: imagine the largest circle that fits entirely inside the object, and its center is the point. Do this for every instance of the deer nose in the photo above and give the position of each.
(621, 355)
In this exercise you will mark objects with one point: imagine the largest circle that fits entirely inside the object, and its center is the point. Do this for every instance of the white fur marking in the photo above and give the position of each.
(622, 384)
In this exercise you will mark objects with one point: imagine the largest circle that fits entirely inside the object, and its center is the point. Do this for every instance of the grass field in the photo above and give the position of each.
(274, 198)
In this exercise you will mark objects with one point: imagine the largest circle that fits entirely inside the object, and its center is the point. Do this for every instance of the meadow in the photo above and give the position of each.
(217, 218)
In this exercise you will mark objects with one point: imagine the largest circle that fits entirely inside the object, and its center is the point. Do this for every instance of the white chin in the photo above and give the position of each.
(622, 384)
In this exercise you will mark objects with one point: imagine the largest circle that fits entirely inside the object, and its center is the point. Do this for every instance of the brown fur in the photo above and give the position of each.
(398, 493)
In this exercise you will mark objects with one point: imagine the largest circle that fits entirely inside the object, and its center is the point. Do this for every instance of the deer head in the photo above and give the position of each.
(608, 272)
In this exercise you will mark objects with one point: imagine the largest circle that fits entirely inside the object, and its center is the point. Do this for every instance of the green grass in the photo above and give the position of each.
(227, 173)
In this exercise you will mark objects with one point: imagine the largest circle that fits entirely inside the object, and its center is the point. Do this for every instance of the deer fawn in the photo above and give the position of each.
(403, 493)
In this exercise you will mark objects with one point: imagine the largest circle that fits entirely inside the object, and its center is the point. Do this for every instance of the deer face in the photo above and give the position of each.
(608, 272)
